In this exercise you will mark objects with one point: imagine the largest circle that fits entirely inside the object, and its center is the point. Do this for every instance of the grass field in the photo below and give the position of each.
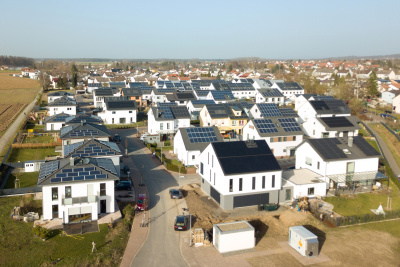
(39, 139)
(391, 141)
(19, 246)
(16, 89)
(22, 155)
(27, 179)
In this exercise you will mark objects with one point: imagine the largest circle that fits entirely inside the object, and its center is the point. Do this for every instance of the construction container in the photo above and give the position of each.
(233, 236)
(303, 241)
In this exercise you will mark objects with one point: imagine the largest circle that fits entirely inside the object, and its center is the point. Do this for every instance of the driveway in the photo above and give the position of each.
(162, 245)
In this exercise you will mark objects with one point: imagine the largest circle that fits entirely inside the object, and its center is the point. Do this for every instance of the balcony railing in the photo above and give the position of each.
(79, 200)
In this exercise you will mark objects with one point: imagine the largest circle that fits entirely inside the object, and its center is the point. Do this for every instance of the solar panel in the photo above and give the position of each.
(68, 149)
(107, 164)
(289, 125)
(269, 110)
(201, 135)
(222, 95)
(166, 113)
(169, 104)
(319, 105)
(288, 112)
(202, 102)
(47, 168)
(265, 126)
(334, 122)
(328, 148)
(111, 145)
(365, 147)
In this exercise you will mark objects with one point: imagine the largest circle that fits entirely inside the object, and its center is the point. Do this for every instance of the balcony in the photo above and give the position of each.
(79, 200)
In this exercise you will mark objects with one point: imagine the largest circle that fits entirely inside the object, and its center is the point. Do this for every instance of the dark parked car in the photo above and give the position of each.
(175, 193)
(126, 169)
(117, 138)
(181, 222)
(123, 185)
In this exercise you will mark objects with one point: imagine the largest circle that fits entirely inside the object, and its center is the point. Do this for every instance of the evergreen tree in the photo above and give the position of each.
(74, 72)
(372, 84)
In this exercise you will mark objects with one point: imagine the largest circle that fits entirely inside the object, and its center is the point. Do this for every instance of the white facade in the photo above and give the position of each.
(270, 99)
(54, 98)
(71, 110)
(65, 206)
(306, 111)
(396, 104)
(54, 126)
(118, 116)
(188, 158)
(77, 140)
(314, 128)
(165, 126)
(226, 240)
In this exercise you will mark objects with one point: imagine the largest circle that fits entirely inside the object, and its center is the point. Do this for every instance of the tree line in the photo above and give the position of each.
(17, 61)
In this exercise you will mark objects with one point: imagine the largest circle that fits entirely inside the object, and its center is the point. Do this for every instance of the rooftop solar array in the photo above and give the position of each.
(328, 148)
(180, 112)
(222, 95)
(201, 134)
(365, 147)
(202, 92)
(202, 102)
(334, 122)
(78, 174)
(68, 149)
(137, 84)
(94, 84)
(169, 104)
(289, 86)
(111, 145)
(269, 110)
(265, 126)
(66, 129)
(47, 168)
(165, 112)
(323, 97)
(319, 105)
(289, 125)
(271, 93)
(288, 112)
(83, 132)
(60, 118)
(107, 164)
(88, 118)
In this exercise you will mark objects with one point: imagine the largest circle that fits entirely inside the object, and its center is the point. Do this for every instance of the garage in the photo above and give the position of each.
(233, 236)
(215, 195)
(250, 200)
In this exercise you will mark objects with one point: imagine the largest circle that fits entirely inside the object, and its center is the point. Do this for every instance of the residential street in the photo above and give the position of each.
(162, 246)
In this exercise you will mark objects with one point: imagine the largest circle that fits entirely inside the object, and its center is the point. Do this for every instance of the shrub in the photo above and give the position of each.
(41, 232)
(128, 216)
(175, 168)
(167, 143)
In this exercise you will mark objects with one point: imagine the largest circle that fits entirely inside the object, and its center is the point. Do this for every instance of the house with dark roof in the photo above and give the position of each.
(346, 164)
(166, 120)
(190, 142)
(59, 94)
(180, 98)
(134, 94)
(62, 105)
(324, 127)
(118, 111)
(56, 122)
(323, 108)
(221, 97)
(194, 107)
(78, 132)
(101, 93)
(239, 174)
(269, 96)
(77, 189)
(88, 118)
(289, 90)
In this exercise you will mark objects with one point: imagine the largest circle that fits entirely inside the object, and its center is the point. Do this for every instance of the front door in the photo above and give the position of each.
(103, 206)
(55, 211)
(288, 195)
(349, 171)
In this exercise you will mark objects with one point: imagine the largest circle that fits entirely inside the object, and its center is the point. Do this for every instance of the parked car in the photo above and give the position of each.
(142, 137)
(117, 138)
(126, 169)
(142, 202)
(175, 193)
(181, 222)
(123, 185)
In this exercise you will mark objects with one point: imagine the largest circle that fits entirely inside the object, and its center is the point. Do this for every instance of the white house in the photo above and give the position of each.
(194, 107)
(59, 94)
(56, 122)
(269, 96)
(77, 190)
(344, 163)
(281, 140)
(396, 104)
(238, 174)
(304, 183)
(100, 94)
(190, 142)
(119, 112)
(323, 127)
(386, 74)
(167, 120)
(389, 95)
(289, 90)
(180, 98)
(323, 108)
(75, 133)
(221, 97)
(62, 105)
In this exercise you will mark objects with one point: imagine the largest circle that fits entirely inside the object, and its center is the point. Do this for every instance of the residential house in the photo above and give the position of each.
(134, 94)
(345, 163)
(59, 94)
(221, 97)
(62, 105)
(325, 127)
(77, 190)
(75, 133)
(190, 142)
(55, 122)
(167, 120)
(269, 96)
(101, 93)
(388, 96)
(289, 90)
(386, 74)
(180, 98)
(322, 108)
(239, 174)
(119, 111)
(396, 104)
(194, 107)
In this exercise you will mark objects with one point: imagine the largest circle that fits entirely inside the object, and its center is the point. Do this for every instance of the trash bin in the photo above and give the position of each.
(260, 207)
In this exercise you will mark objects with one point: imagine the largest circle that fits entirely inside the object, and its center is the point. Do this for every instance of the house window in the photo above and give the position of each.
(273, 181)
(103, 189)
(201, 167)
(55, 211)
(253, 186)
(263, 182)
(279, 139)
(294, 138)
(130, 111)
(234, 123)
(214, 178)
(193, 156)
(230, 185)
(54, 193)
(113, 112)
(310, 191)
(308, 161)
(271, 140)
(212, 161)
(161, 126)
(284, 139)
(68, 192)
(318, 165)
(167, 125)
(240, 184)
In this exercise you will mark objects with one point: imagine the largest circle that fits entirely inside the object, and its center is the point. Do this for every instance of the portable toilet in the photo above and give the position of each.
(302, 240)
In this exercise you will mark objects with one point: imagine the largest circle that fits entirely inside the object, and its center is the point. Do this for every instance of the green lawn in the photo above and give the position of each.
(39, 139)
(364, 202)
(22, 155)
(34, 126)
(19, 246)
(124, 126)
(27, 179)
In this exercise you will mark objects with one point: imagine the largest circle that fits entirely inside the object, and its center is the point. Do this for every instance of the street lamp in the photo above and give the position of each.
(179, 177)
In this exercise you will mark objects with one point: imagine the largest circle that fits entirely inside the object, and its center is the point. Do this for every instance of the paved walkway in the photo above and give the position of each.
(13, 128)
(386, 151)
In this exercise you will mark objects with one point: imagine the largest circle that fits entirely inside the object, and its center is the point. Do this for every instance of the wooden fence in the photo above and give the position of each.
(35, 145)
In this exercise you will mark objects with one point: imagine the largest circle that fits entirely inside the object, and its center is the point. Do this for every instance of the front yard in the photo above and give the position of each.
(22, 155)
(27, 179)
(19, 246)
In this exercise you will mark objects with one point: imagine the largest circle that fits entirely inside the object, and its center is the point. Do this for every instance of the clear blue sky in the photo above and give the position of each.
(199, 29)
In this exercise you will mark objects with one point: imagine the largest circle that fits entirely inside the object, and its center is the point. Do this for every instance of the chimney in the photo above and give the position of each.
(350, 143)
(71, 161)
(82, 122)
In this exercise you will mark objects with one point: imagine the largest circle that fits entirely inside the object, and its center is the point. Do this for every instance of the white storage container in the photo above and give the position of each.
(303, 241)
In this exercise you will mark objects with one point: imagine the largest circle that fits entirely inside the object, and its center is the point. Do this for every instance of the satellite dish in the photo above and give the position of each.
(86, 161)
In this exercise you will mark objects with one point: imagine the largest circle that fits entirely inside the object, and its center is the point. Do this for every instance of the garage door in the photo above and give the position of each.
(215, 195)
(250, 200)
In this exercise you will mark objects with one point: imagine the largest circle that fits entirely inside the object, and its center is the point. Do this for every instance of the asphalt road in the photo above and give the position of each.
(162, 245)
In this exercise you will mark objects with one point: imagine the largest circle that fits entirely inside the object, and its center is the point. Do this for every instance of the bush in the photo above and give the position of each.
(167, 143)
(128, 216)
(41, 232)
(175, 168)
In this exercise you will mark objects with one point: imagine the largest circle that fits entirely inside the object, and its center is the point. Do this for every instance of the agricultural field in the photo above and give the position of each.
(17, 90)
(8, 113)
